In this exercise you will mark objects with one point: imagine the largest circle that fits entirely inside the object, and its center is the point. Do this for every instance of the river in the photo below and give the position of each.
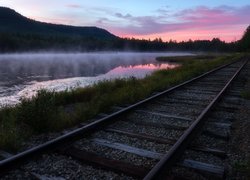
(22, 75)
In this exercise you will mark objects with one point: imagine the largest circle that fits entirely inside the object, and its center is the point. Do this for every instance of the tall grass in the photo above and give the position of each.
(11, 131)
(50, 111)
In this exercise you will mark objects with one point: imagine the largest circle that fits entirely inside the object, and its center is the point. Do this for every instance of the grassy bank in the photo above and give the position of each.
(50, 111)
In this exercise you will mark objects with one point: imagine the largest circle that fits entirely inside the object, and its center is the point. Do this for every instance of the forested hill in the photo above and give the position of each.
(11, 21)
(19, 33)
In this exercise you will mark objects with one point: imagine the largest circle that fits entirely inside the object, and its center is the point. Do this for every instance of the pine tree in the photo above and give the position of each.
(245, 40)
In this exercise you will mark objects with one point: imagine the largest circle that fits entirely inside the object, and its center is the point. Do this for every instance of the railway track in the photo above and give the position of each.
(162, 136)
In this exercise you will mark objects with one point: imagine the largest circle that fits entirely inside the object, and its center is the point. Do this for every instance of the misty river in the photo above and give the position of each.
(22, 75)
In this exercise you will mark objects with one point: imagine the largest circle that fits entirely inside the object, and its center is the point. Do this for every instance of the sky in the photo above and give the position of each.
(178, 20)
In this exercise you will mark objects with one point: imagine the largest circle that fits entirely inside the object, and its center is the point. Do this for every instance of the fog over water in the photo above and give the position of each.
(22, 75)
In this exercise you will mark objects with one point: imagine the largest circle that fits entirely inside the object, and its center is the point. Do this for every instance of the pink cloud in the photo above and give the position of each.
(213, 16)
(200, 22)
(225, 22)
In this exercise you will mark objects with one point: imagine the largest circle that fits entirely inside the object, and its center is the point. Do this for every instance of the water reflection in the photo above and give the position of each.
(138, 71)
(21, 75)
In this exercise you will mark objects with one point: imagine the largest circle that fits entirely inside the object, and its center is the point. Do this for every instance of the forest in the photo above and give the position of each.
(15, 42)
(18, 34)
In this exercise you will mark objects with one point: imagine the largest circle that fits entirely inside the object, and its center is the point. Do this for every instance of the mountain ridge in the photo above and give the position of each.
(12, 21)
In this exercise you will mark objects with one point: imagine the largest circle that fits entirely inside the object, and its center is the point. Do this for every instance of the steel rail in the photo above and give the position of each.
(175, 152)
(15, 160)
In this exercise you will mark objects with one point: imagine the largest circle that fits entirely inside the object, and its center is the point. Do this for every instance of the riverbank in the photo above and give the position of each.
(23, 74)
(53, 112)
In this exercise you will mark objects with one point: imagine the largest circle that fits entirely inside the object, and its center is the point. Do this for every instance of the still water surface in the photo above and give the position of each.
(22, 75)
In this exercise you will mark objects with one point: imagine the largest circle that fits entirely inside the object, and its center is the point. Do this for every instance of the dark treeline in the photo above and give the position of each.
(18, 42)
(14, 42)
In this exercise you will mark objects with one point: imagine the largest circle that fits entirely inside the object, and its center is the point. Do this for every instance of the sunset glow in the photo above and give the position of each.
(138, 68)
(225, 34)
(138, 71)
(177, 20)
